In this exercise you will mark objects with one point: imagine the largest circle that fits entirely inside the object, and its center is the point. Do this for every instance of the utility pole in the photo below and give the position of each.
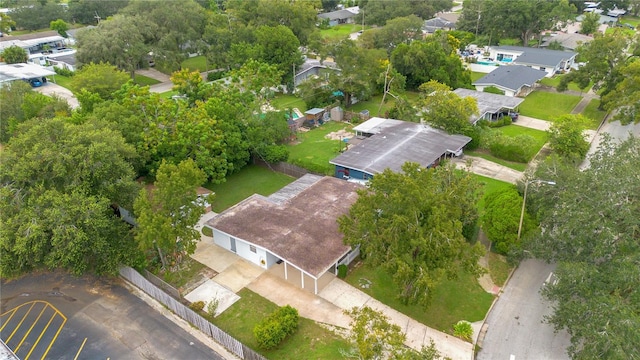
(478, 23)
(97, 17)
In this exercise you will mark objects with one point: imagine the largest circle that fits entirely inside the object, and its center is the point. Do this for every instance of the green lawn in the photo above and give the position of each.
(373, 105)
(631, 20)
(453, 300)
(285, 101)
(555, 81)
(339, 32)
(196, 63)
(250, 180)
(314, 151)
(476, 75)
(145, 81)
(515, 130)
(487, 156)
(499, 269)
(593, 114)
(547, 106)
(168, 94)
(310, 341)
(63, 81)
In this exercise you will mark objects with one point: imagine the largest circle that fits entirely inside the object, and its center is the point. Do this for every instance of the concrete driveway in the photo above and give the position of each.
(50, 89)
(488, 168)
(515, 328)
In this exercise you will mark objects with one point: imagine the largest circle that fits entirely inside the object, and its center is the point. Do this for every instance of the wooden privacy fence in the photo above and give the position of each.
(162, 284)
(226, 340)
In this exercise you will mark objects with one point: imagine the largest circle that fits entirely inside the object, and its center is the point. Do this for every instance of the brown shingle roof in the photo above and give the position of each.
(302, 230)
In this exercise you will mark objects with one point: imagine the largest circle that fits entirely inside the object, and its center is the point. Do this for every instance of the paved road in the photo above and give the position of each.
(56, 316)
(515, 328)
(618, 133)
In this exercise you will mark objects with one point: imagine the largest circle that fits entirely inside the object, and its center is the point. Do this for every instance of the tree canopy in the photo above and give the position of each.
(14, 55)
(444, 109)
(566, 137)
(413, 224)
(167, 214)
(590, 227)
(501, 219)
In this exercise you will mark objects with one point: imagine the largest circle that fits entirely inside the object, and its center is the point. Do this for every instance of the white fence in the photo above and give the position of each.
(226, 340)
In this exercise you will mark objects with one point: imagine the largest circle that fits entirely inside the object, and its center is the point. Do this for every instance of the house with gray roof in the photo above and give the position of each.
(438, 23)
(293, 233)
(549, 61)
(568, 41)
(514, 80)
(388, 144)
(342, 16)
(491, 106)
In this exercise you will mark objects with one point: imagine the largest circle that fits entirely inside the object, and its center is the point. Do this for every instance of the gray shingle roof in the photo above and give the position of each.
(568, 41)
(511, 77)
(337, 15)
(395, 145)
(490, 103)
(538, 56)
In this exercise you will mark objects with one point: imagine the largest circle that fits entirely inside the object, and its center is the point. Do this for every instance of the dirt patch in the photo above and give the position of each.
(204, 275)
(339, 135)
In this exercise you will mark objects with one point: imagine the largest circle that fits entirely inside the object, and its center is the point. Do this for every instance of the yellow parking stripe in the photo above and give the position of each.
(30, 328)
(20, 323)
(13, 312)
(53, 340)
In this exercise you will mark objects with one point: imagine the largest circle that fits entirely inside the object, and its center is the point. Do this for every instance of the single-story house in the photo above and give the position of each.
(388, 144)
(342, 16)
(443, 21)
(34, 43)
(549, 61)
(26, 72)
(569, 41)
(293, 232)
(514, 80)
(313, 67)
(491, 106)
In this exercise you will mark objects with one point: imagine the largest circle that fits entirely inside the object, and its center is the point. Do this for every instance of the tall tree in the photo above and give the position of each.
(432, 59)
(101, 79)
(60, 26)
(397, 31)
(624, 100)
(124, 42)
(444, 109)
(34, 15)
(167, 214)
(413, 224)
(590, 23)
(591, 229)
(93, 11)
(14, 55)
(279, 46)
(501, 219)
(6, 23)
(566, 137)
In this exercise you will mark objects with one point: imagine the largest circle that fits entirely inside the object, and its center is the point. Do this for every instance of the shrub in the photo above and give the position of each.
(197, 306)
(216, 75)
(342, 271)
(63, 71)
(212, 306)
(463, 330)
(271, 331)
(275, 153)
(475, 134)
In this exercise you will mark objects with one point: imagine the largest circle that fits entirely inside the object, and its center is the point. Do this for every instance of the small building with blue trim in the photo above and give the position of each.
(388, 144)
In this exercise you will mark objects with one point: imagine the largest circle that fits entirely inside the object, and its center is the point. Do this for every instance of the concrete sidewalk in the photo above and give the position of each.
(532, 123)
(346, 297)
(488, 168)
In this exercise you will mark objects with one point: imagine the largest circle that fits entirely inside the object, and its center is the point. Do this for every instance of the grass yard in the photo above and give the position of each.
(340, 32)
(196, 63)
(453, 300)
(487, 156)
(547, 106)
(310, 341)
(373, 105)
(178, 279)
(515, 130)
(250, 180)
(63, 81)
(592, 113)
(476, 75)
(168, 94)
(285, 101)
(631, 20)
(314, 151)
(555, 81)
(499, 269)
(145, 81)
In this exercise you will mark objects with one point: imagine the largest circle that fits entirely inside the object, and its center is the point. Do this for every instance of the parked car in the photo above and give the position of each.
(35, 82)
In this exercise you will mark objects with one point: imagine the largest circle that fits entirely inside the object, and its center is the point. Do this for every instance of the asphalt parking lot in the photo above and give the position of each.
(58, 316)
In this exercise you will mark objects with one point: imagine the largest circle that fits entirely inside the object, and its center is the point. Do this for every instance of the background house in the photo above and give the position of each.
(514, 80)
(444, 21)
(491, 107)
(568, 41)
(549, 61)
(293, 232)
(388, 144)
(312, 68)
(342, 16)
